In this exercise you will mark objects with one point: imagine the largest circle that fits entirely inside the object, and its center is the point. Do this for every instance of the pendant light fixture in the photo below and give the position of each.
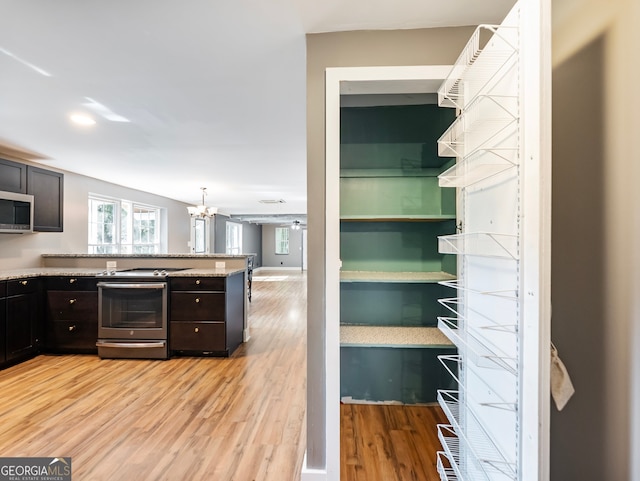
(202, 210)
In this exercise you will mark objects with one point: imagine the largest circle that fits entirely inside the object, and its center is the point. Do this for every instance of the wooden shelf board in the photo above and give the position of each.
(400, 277)
(381, 173)
(397, 218)
(384, 336)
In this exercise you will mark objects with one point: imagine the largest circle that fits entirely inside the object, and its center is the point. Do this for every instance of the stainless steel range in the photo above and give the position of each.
(132, 314)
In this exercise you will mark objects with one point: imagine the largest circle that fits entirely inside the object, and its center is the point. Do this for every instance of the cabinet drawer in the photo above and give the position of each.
(73, 305)
(198, 283)
(198, 336)
(22, 286)
(72, 335)
(71, 283)
(197, 306)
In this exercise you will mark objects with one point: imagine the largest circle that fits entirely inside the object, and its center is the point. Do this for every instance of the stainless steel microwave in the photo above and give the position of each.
(16, 213)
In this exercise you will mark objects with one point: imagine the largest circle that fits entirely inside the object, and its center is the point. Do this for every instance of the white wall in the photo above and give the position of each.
(23, 250)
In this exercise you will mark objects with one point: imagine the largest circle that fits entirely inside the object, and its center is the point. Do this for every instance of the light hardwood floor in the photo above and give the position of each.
(241, 418)
(389, 442)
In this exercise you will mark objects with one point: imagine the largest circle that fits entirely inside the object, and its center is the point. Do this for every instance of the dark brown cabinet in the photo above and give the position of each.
(22, 330)
(71, 314)
(13, 176)
(206, 314)
(3, 322)
(47, 188)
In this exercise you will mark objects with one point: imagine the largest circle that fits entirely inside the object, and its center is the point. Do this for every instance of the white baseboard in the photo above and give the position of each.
(312, 474)
(279, 268)
(246, 335)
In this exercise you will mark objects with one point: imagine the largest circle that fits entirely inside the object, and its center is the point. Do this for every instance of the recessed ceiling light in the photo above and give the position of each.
(82, 119)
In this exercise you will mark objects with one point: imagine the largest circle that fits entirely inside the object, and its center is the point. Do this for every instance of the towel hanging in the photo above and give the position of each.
(561, 386)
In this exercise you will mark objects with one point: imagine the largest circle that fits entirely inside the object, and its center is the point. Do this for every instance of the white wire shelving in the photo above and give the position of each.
(475, 350)
(484, 244)
(478, 166)
(507, 293)
(446, 473)
(484, 125)
(456, 306)
(472, 72)
(478, 446)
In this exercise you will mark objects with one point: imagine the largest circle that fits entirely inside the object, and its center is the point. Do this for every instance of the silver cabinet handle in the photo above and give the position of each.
(24, 283)
(197, 300)
(72, 328)
(72, 301)
(196, 329)
(197, 282)
(72, 281)
(134, 345)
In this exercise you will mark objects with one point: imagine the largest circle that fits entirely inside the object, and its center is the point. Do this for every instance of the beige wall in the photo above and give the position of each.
(24, 250)
(347, 49)
(596, 268)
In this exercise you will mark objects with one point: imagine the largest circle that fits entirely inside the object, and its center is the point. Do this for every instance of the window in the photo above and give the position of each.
(234, 238)
(282, 240)
(122, 227)
(199, 235)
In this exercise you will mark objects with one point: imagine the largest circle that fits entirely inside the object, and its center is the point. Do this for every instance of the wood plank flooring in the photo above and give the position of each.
(241, 418)
(389, 442)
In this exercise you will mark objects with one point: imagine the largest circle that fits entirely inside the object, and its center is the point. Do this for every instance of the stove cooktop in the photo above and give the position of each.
(159, 272)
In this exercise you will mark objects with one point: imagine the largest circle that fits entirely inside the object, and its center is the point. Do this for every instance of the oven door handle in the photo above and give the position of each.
(141, 285)
(135, 345)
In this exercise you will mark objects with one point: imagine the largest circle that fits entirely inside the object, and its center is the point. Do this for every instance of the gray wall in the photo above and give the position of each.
(251, 237)
(23, 251)
(438, 46)
(269, 256)
(596, 234)
(578, 274)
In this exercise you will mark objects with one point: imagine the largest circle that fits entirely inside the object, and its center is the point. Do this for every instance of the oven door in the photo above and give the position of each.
(132, 311)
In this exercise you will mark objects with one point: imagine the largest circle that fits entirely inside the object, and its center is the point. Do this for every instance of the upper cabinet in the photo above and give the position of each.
(46, 186)
(13, 177)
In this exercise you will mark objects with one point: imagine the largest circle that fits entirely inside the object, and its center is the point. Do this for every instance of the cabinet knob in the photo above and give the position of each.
(72, 328)
(197, 282)
(72, 301)
(24, 283)
(197, 300)
(72, 281)
(197, 329)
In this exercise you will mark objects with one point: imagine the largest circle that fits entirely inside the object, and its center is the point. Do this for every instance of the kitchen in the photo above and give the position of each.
(575, 29)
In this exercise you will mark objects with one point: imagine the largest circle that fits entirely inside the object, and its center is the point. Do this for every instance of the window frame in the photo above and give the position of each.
(282, 245)
(127, 237)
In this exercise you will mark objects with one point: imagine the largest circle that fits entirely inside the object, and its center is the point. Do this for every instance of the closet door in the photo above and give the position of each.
(499, 306)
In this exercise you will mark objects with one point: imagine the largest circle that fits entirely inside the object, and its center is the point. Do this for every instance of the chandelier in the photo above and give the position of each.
(202, 210)
(295, 225)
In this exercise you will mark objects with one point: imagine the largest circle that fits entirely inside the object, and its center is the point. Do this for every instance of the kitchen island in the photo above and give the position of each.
(54, 308)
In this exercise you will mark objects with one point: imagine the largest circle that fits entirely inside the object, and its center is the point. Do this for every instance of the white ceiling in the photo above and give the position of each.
(213, 90)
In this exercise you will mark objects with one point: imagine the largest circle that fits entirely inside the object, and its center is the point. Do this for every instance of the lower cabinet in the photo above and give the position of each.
(3, 322)
(23, 331)
(72, 315)
(206, 315)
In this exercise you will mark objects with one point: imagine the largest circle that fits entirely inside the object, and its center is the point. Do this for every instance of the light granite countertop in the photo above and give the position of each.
(11, 274)
(150, 256)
